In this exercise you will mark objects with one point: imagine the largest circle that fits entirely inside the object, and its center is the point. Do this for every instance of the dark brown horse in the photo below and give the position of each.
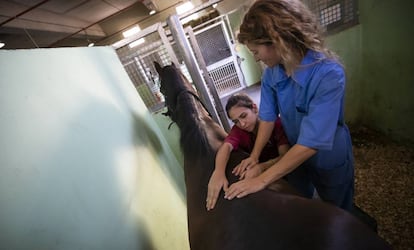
(263, 220)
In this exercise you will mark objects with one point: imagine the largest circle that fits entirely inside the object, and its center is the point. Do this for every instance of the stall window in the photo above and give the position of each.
(335, 15)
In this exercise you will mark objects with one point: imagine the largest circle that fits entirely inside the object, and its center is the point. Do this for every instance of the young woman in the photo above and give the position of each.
(244, 113)
(305, 85)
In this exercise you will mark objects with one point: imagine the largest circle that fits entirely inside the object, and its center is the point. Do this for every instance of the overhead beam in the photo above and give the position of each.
(24, 12)
(85, 28)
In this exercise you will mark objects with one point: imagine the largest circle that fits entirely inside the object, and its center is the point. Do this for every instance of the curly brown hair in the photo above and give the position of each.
(287, 24)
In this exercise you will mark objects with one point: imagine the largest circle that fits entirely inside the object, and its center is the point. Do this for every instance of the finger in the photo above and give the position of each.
(228, 193)
(213, 203)
(225, 187)
(235, 169)
(211, 197)
(242, 175)
(243, 164)
(251, 165)
(242, 194)
(232, 192)
(236, 194)
(210, 204)
(239, 167)
(207, 198)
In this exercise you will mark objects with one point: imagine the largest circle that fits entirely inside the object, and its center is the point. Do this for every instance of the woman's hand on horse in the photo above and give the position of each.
(252, 172)
(244, 187)
(217, 181)
(244, 165)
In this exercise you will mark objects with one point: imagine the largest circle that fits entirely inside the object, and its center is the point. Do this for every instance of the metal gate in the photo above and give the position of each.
(137, 55)
(220, 57)
(157, 44)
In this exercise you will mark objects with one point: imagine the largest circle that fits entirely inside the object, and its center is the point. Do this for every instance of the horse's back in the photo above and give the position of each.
(278, 220)
(268, 220)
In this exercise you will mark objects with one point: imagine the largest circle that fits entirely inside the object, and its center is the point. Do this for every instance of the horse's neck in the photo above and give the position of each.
(214, 133)
(196, 125)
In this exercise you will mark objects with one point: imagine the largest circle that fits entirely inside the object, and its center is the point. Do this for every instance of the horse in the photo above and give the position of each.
(267, 219)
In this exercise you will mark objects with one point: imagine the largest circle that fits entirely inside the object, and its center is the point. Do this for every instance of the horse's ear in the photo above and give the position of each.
(158, 67)
(172, 64)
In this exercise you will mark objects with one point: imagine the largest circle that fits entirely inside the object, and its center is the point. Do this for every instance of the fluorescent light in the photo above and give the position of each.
(131, 31)
(189, 18)
(184, 7)
(152, 12)
(2, 44)
(136, 43)
(91, 44)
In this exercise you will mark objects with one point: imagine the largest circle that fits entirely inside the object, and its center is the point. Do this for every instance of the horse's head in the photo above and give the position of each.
(173, 83)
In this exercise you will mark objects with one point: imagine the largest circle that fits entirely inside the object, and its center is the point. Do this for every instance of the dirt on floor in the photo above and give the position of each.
(384, 184)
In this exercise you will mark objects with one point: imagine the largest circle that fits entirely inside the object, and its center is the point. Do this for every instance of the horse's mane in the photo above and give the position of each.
(192, 126)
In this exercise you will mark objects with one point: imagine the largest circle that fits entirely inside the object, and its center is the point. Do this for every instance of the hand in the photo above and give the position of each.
(252, 172)
(217, 181)
(244, 164)
(244, 187)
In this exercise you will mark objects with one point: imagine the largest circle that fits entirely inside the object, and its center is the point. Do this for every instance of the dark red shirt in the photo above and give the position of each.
(241, 139)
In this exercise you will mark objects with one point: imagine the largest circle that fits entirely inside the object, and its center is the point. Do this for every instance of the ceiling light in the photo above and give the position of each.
(214, 5)
(189, 18)
(132, 31)
(152, 12)
(136, 43)
(184, 7)
(91, 44)
(2, 44)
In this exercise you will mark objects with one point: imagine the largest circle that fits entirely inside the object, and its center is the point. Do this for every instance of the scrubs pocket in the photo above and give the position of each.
(335, 176)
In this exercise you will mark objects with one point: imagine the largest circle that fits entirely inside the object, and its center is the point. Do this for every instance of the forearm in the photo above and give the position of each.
(267, 164)
(222, 157)
(287, 163)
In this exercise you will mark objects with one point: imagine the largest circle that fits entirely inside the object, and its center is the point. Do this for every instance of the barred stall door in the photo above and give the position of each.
(220, 58)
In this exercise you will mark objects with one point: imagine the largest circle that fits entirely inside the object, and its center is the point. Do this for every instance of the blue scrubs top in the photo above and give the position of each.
(310, 104)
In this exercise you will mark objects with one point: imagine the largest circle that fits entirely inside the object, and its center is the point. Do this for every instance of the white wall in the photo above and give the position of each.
(82, 165)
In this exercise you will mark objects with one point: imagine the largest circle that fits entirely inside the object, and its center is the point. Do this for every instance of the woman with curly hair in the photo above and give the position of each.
(304, 84)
